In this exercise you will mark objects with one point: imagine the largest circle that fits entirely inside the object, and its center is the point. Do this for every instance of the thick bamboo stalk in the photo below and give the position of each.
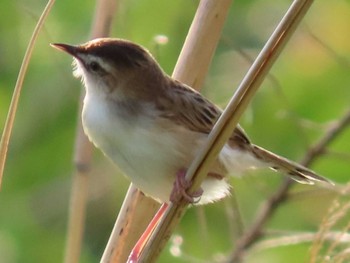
(227, 122)
(201, 41)
(137, 210)
(195, 56)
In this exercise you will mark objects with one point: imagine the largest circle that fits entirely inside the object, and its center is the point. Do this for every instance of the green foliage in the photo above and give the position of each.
(307, 91)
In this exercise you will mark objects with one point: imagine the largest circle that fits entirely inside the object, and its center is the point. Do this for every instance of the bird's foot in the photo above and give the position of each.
(180, 188)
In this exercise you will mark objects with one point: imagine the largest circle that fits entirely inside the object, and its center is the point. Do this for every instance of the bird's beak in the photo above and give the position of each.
(72, 50)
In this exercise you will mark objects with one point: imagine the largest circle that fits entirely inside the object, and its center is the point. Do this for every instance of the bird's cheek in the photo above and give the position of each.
(111, 83)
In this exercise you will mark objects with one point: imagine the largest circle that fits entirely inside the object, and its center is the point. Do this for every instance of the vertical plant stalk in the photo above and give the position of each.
(227, 122)
(137, 210)
(201, 41)
(6, 135)
(104, 13)
(195, 59)
(193, 65)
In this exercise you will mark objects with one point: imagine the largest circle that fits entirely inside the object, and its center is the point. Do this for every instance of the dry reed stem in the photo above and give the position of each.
(294, 239)
(267, 209)
(193, 64)
(104, 12)
(227, 122)
(201, 41)
(137, 210)
(6, 135)
(194, 59)
(335, 213)
(343, 211)
(343, 256)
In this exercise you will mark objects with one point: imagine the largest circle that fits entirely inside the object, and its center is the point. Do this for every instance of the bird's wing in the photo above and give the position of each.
(188, 108)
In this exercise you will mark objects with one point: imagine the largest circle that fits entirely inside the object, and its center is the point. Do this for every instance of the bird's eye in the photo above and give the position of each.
(94, 66)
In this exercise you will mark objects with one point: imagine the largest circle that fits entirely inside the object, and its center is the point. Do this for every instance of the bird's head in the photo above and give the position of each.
(115, 66)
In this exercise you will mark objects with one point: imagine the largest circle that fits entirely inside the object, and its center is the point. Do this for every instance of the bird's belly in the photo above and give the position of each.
(149, 155)
(150, 161)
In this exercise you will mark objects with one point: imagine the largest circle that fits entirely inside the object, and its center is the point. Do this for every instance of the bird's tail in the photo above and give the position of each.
(296, 171)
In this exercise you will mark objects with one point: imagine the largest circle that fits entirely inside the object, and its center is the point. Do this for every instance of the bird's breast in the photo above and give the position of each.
(150, 154)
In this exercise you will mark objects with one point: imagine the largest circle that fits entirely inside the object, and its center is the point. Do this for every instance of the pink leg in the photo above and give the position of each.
(138, 248)
(181, 185)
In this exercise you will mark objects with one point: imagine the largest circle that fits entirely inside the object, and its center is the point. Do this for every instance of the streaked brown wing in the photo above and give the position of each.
(187, 107)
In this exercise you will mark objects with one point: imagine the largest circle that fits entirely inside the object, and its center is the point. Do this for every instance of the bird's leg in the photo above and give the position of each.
(140, 245)
(181, 185)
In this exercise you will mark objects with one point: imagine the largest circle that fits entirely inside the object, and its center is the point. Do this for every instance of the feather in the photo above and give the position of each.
(188, 108)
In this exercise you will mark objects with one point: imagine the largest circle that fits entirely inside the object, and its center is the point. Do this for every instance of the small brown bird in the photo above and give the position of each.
(152, 125)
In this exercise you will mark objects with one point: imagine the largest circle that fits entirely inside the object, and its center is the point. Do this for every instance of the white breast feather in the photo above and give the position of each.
(150, 156)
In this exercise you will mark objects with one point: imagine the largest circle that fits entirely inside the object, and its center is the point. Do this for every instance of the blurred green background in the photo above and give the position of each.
(307, 91)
